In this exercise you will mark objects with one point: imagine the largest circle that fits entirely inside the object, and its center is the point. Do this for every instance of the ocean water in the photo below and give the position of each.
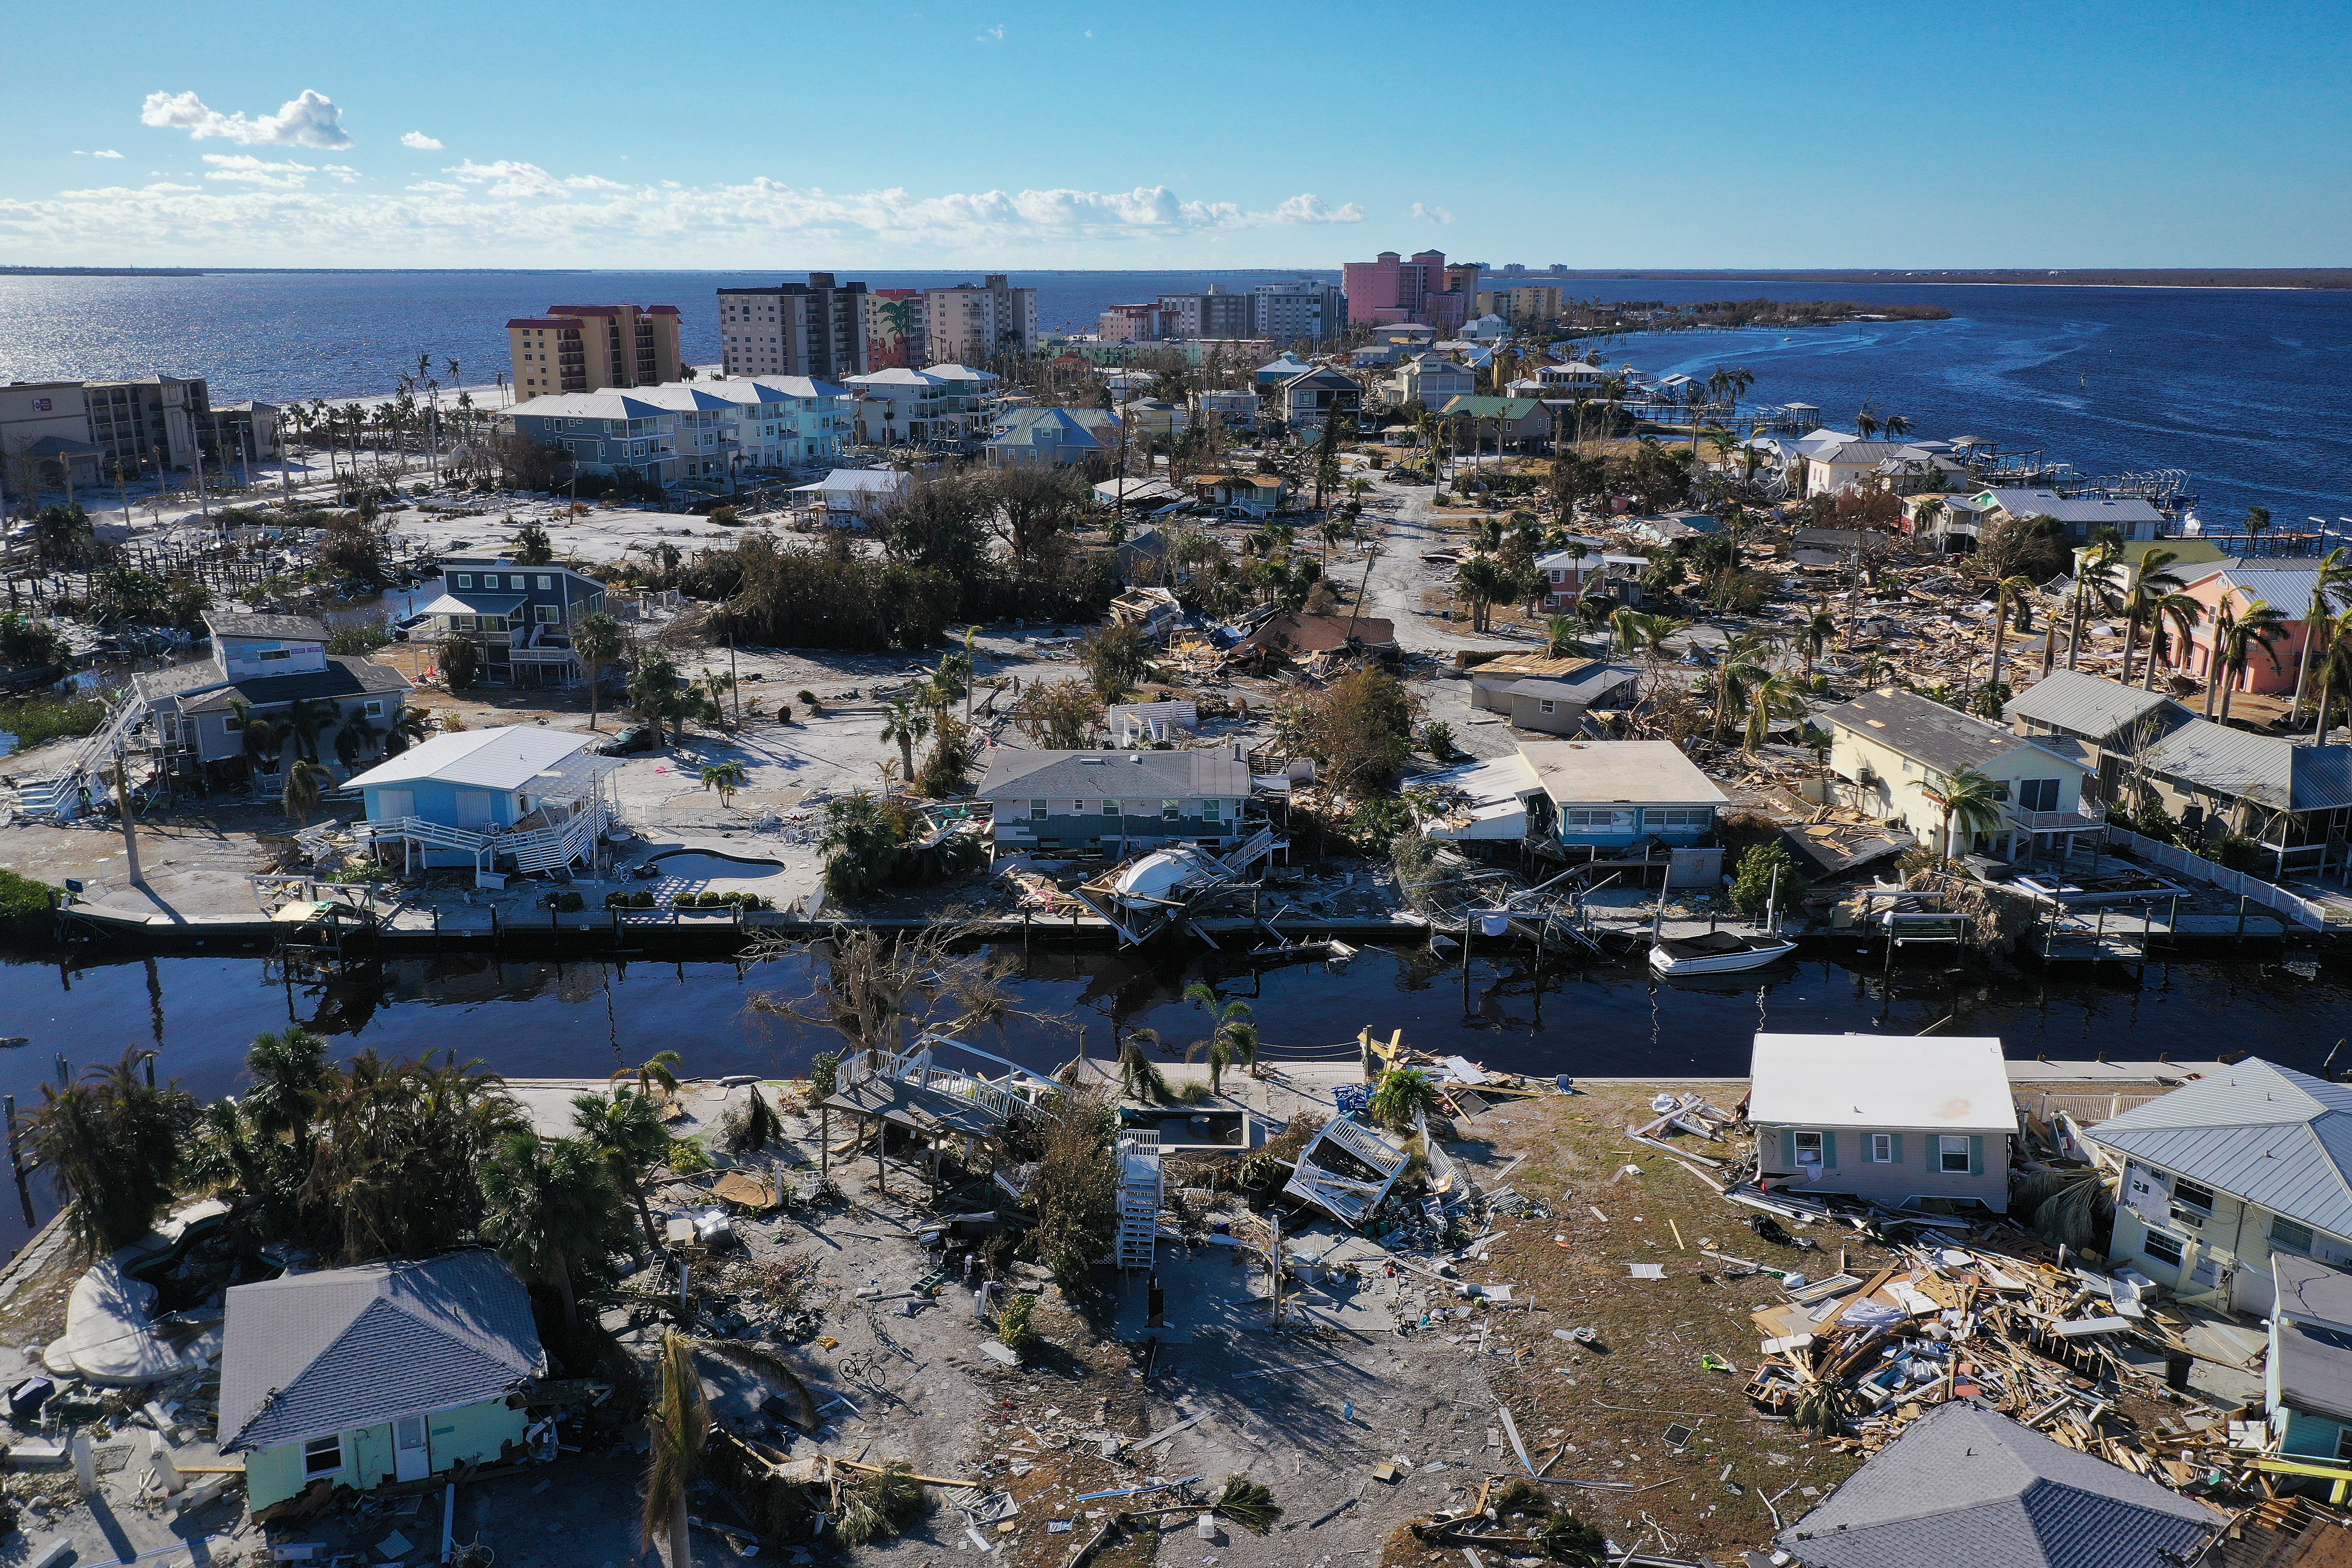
(2245, 389)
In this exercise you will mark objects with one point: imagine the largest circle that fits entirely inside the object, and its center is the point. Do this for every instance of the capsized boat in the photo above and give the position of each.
(1717, 953)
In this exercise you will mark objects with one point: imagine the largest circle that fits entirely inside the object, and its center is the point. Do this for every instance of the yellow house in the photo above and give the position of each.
(1895, 749)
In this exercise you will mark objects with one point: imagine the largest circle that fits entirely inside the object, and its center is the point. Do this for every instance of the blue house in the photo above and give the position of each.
(519, 798)
(2307, 1379)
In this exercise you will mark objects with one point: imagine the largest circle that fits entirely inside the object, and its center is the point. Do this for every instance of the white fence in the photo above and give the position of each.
(2269, 895)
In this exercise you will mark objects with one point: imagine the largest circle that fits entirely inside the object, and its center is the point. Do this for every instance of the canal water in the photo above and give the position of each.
(585, 1018)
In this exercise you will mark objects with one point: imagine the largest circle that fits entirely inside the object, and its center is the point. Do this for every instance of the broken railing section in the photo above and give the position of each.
(869, 1081)
(1346, 1170)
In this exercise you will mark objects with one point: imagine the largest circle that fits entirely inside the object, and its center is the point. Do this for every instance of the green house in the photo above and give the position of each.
(385, 1373)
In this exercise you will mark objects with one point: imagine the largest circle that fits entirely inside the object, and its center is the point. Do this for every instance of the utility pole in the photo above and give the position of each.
(123, 808)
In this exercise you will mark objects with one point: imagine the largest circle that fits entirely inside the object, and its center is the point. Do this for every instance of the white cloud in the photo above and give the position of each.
(309, 121)
(244, 169)
(991, 34)
(510, 211)
(1426, 214)
(100, 153)
(421, 141)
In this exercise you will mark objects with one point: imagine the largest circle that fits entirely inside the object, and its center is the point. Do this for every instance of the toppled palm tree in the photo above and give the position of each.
(1139, 1077)
(1402, 1094)
(1248, 1504)
(679, 1425)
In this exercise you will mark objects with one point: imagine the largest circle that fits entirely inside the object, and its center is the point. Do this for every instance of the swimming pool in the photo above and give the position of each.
(703, 866)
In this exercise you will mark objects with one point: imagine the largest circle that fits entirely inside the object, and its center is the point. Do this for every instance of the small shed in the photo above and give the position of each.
(1888, 1119)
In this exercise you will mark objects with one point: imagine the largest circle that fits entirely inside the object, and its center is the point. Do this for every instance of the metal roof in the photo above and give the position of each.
(1945, 739)
(309, 1354)
(2311, 1292)
(507, 758)
(1967, 1485)
(1211, 772)
(283, 628)
(2083, 704)
(2287, 587)
(2073, 509)
(1880, 1080)
(2314, 1368)
(2268, 770)
(2278, 1139)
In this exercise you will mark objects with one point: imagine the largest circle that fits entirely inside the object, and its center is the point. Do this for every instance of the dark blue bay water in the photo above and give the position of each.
(583, 1018)
(2245, 389)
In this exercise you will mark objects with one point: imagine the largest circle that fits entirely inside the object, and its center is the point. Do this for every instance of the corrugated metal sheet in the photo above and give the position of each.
(2083, 704)
(2269, 769)
(2277, 1137)
(2286, 587)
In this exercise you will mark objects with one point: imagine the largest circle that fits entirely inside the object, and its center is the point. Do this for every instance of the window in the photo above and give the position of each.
(1170, 810)
(322, 1456)
(1685, 818)
(1110, 808)
(372, 710)
(2194, 1195)
(2288, 1237)
(274, 653)
(1210, 811)
(232, 723)
(1038, 812)
(2162, 1247)
(546, 613)
(465, 579)
(2038, 794)
(1952, 1154)
(1882, 1148)
(1546, 705)
(1808, 1148)
(1596, 819)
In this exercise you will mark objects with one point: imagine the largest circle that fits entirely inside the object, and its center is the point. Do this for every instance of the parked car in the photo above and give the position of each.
(635, 738)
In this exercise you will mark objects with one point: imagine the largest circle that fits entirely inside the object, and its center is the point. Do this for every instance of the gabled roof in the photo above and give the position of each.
(2268, 770)
(507, 758)
(2084, 704)
(1297, 632)
(1868, 452)
(2279, 1139)
(1212, 771)
(1511, 408)
(589, 405)
(1945, 739)
(1058, 427)
(309, 1355)
(953, 372)
(2286, 587)
(346, 675)
(1964, 1485)
(280, 628)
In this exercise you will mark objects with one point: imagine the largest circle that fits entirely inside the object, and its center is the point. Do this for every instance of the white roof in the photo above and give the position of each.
(1494, 799)
(953, 372)
(1934, 1083)
(853, 481)
(507, 758)
(1629, 772)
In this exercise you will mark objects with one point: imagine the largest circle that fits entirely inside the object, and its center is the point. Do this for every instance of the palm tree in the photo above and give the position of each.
(1138, 1075)
(1777, 695)
(2258, 518)
(113, 1146)
(724, 777)
(2011, 601)
(1866, 421)
(1561, 635)
(597, 642)
(2331, 585)
(2334, 664)
(2261, 626)
(904, 724)
(549, 1202)
(2095, 579)
(1818, 629)
(2170, 613)
(306, 781)
(1232, 1035)
(1739, 668)
(1401, 1095)
(355, 737)
(1895, 425)
(1972, 798)
(265, 739)
(625, 1130)
(657, 1071)
(679, 1425)
(2152, 584)
(412, 727)
(306, 720)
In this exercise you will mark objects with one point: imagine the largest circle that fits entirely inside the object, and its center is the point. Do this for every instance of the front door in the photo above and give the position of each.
(411, 1461)
(474, 811)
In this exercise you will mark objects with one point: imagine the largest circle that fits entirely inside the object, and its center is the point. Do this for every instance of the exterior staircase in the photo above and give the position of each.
(1139, 1199)
(59, 798)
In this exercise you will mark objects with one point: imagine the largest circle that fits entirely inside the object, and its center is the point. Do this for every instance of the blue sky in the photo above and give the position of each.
(441, 134)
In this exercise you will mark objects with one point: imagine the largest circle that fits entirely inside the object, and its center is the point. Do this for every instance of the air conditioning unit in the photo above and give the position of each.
(2192, 1219)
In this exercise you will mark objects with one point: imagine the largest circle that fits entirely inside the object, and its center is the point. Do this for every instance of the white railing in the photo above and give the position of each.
(2269, 895)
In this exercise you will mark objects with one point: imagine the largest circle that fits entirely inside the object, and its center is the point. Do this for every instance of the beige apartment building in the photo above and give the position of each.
(587, 348)
(63, 435)
(971, 322)
(819, 329)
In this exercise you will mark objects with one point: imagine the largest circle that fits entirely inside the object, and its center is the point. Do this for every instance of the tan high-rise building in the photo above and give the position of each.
(587, 348)
(973, 323)
(820, 329)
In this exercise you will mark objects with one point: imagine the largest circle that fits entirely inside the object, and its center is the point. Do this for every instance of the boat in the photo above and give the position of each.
(1717, 953)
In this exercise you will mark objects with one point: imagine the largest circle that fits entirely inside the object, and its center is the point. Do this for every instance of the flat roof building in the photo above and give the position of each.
(587, 348)
(820, 328)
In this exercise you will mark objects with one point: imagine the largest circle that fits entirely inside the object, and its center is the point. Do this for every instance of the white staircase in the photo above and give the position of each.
(1139, 1199)
(60, 798)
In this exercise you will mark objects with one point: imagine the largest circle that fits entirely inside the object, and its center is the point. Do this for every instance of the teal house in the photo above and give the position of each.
(386, 1372)
(2307, 1379)
(516, 798)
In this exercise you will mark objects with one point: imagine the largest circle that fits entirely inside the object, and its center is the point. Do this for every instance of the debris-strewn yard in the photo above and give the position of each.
(1691, 1467)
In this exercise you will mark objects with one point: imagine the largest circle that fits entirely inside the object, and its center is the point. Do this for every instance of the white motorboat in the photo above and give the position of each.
(1717, 953)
